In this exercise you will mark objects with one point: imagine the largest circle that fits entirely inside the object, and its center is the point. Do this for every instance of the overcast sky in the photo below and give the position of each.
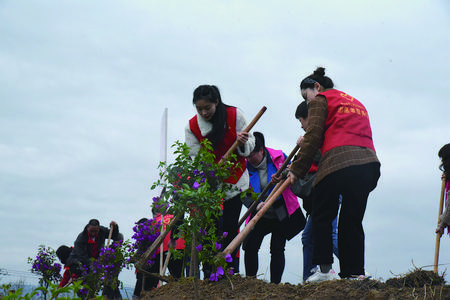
(84, 85)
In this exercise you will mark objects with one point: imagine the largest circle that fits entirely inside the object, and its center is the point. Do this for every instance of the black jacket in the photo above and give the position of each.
(82, 251)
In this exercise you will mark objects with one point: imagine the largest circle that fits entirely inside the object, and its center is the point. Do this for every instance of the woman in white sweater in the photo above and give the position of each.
(222, 125)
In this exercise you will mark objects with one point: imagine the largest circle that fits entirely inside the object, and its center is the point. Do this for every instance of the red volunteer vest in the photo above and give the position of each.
(223, 146)
(180, 242)
(347, 122)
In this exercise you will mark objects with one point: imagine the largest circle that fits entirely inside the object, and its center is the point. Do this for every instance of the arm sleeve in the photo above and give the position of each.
(445, 217)
(241, 123)
(80, 251)
(317, 111)
(115, 233)
(65, 279)
(191, 141)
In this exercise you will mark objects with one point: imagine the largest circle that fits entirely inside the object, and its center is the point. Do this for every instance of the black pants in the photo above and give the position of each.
(175, 267)
(277, 243)
(354, 184)
(228, 222)
(231, 212)
(112, 293)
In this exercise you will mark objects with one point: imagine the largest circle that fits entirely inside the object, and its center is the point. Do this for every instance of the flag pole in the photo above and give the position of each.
(163, 159)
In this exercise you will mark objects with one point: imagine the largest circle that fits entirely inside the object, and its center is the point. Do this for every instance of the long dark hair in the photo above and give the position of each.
(444, 155)
(211, 94)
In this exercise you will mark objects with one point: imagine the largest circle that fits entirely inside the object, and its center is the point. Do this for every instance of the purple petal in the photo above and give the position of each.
(220, 271)
(228, 258)
(213, 277)
(196, 185)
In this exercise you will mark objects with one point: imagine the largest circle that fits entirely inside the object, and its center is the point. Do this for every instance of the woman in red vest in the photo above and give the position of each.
(222, 125)
(339, 126)
(444, 218)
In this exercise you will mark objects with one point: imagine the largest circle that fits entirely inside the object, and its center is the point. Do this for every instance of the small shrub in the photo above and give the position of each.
(46, 267)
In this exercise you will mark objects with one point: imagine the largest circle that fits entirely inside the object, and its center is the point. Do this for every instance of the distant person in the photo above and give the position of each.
(63, 253)
(88, 245)
(222, 125)
(262, 163)
(444, 155)
(301, 114)
(338, 125)
(175, 266)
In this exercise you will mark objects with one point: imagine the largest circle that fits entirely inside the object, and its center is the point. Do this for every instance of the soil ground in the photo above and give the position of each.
(417, 284)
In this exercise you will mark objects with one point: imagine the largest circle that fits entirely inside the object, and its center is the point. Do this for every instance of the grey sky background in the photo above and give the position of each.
(84, 85)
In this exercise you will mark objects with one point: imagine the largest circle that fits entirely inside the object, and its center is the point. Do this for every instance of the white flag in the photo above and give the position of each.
(163, 146)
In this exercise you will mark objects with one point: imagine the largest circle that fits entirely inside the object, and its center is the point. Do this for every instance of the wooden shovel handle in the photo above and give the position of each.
(109, 236)
(247, 129)
(438, 235)
(237, 241)
(163, 270)
(268, 186)
(152, 249)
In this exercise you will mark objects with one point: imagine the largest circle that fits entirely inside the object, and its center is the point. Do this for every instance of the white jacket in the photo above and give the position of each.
(205, 128)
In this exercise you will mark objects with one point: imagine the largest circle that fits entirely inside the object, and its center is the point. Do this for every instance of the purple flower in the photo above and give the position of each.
(196, 172)
(203, 231)
(196, 185)
(213, 277)
(225, 234)
(228, 258)
(202, 180)
(220, 271)
(218, 246)
(212, 173)
(199, 247)
(155, 199)
(231, 271)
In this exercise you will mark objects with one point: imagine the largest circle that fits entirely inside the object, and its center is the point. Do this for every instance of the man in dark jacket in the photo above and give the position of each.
(88, 245)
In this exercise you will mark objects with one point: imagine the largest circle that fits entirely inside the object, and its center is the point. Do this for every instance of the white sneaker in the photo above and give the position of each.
(313, 270)
(361, 277)
(319, 276)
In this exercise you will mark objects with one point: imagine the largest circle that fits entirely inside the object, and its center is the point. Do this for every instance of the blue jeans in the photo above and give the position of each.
(308, 246)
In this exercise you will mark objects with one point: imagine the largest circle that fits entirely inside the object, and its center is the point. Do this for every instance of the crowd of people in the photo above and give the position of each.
(337, 129)
(332, 175)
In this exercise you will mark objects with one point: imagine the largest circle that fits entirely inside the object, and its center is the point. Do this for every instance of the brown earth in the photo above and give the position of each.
(417, 284)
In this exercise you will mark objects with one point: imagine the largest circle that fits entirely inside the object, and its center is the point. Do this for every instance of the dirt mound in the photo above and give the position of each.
(415, 285)
(418, 278)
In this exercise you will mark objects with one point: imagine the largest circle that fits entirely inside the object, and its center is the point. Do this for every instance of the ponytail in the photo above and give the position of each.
(319, 77)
